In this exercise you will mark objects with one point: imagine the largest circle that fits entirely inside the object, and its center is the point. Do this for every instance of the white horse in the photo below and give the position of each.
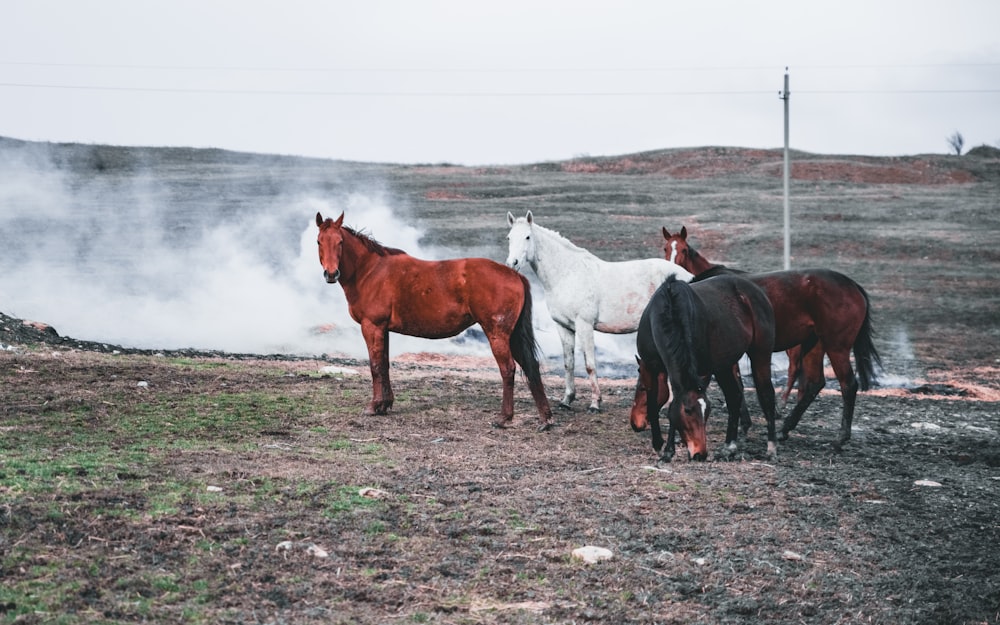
(585, 293)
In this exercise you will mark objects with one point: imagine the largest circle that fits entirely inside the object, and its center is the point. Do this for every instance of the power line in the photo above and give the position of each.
(483, 94)
(487, 70)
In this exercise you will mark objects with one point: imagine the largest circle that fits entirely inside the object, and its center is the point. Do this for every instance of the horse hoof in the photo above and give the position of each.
(594, 409)
(545, 427)
(782, 435)
(665, 458)
(564, 406)
(502, 425)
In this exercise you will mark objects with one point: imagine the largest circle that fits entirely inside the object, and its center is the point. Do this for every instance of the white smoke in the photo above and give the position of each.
(116, 259)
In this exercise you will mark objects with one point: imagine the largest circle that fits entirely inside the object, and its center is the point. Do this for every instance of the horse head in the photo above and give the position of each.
(331, 245)
(520, 245)
(676, 248)
(692, 412)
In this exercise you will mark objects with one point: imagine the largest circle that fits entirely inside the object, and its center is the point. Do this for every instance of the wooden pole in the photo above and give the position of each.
(788, 234)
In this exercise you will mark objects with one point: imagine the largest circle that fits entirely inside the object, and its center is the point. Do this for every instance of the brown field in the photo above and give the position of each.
(145, 486)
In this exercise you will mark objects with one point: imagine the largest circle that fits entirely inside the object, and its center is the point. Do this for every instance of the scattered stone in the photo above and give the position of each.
(373, 493)
(788, 554)
(335, 370)
(214, 489)
(142, 384)
(590, 554)
(310, 548)
(930, 483)
(924, 425)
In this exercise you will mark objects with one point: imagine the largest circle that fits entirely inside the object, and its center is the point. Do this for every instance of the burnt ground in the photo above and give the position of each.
(472, 524)
(147, 486)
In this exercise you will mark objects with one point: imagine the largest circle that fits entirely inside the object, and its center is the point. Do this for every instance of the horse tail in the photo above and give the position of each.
(523, 346)
(676, 327)
(866, 357)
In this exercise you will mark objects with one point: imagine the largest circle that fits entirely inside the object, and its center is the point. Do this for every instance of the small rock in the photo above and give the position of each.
(372, 493)
(334, 370)
(791, 555)
(931, 483)
(924, 425)
(590, 555)
(142, 384)
(214, 489)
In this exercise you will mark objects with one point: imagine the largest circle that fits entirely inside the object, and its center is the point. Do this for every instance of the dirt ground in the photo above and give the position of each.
(145, 486)
(475, 525)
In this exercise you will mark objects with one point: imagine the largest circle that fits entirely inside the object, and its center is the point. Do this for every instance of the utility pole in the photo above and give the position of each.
(785, 95)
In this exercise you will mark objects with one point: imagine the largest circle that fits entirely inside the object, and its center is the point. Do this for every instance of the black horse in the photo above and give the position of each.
(691, 331)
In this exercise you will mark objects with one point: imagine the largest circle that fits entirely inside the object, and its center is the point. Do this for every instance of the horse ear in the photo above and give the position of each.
(510, 218)
(666, 233)
(319, 219)
(340, 221)
(529, 217)
(684, 233)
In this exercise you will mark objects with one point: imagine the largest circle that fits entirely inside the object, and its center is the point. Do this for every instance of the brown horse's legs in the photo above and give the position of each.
(841, 363)
(793, 374)
(813, 381)
(377, 339)
(541, 403)
(505, 360)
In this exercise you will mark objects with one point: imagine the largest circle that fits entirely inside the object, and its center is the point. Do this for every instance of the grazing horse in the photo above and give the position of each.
(817, 307)
(584, 293)
(691, 331)
(388, 290)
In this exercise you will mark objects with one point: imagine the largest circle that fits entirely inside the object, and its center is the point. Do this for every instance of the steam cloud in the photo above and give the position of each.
(122, 259)
(138, 259)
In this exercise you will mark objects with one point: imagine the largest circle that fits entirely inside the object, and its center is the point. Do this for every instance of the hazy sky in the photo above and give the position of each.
(517, 81)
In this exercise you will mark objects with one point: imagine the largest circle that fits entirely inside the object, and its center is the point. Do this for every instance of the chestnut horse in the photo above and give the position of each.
(390, 291)
(812, 307)
(689, 332)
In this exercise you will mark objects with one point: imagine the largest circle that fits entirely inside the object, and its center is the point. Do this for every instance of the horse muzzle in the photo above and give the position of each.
(331, 278)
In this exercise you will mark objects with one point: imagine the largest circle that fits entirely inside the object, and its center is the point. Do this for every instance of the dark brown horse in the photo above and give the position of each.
(816, 311)
(690, 332)
(390, 291)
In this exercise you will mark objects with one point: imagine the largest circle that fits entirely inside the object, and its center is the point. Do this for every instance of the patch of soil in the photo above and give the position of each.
(477, 525)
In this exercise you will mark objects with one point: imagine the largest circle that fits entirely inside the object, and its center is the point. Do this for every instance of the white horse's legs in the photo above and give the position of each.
(568, 339)
(585, 332)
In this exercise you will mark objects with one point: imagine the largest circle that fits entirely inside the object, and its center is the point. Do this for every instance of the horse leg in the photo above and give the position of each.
(505, 361)
(653, 417)
(586, 333)
(793, 374)
(760, 366)
(841, 363)
(745, 422)
(811, 383)
(732, 390)
(377, 340)
(568, 338)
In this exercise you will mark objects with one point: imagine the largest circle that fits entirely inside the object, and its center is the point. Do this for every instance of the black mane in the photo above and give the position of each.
(677, 323)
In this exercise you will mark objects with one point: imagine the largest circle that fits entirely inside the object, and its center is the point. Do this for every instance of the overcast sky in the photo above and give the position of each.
(476, 82)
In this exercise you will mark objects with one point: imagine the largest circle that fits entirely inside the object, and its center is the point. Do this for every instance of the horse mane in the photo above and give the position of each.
(372, 245)
(676, 326)
(563, 240)
(715, 270)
